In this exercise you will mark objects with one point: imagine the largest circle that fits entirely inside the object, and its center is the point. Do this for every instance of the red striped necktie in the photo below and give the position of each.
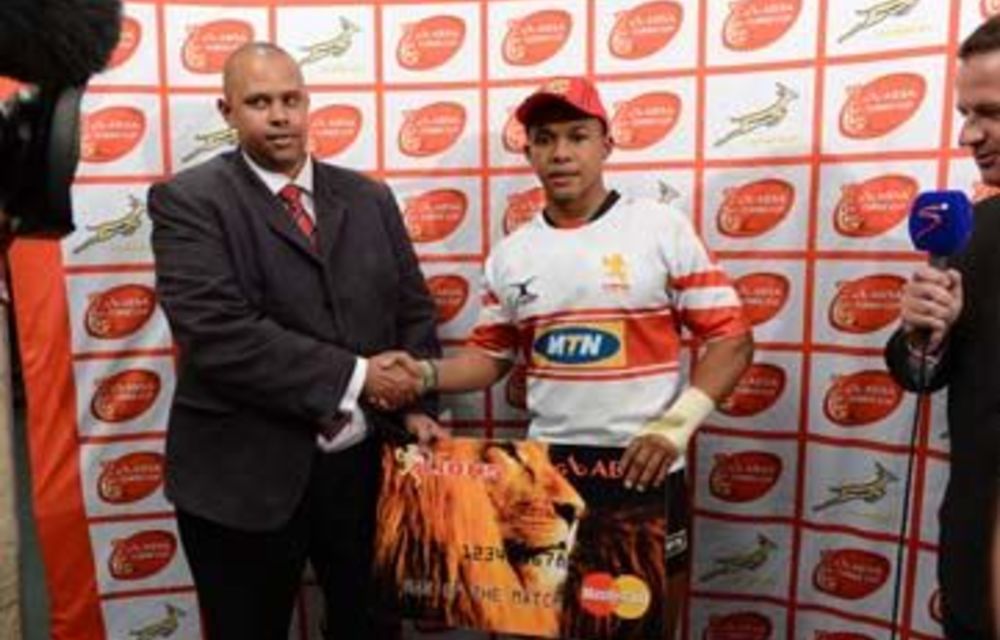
(291, 195)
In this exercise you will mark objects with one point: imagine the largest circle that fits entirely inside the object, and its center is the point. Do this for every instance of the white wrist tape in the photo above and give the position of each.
(678, 424)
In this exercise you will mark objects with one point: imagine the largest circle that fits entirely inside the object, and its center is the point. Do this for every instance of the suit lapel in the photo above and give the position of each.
(331, 209)
(270, 207)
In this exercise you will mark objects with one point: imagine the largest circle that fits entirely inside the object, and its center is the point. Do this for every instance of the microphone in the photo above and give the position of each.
(57, 43)
(940, 224)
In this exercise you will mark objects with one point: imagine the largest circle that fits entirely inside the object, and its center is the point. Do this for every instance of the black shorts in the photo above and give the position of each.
(678, 522)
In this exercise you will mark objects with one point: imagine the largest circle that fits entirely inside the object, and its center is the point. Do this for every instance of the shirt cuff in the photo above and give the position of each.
(349, 401)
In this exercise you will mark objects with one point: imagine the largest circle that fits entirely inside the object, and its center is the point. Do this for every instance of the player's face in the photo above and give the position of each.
(978, 89)
(268, 106)
(568, 157)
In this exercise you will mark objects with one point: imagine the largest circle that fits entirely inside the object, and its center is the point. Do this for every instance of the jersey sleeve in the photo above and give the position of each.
(705, 298)
(496, 329)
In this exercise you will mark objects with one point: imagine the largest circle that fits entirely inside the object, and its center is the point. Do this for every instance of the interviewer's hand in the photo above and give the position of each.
(932, 302)
(393, 380)
(647, 461)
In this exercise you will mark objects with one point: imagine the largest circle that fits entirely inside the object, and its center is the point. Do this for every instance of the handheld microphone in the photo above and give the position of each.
(940, 224)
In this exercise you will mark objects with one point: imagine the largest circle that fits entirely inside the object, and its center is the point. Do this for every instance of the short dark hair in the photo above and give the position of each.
(985, 39)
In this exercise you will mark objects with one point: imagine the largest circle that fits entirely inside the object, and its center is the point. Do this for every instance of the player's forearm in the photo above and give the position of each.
(470, 370)
(720, 366)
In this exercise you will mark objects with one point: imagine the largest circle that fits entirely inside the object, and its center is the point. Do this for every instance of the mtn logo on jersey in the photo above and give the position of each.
(593, 345)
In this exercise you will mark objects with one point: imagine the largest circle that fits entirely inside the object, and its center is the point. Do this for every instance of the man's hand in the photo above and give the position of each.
(932, 302)
(647, 461)
(425, 428)
(393, 380)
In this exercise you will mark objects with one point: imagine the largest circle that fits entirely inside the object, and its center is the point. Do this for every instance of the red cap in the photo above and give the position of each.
(576, 92)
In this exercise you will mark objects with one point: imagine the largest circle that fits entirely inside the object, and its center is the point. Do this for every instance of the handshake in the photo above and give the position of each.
(395, 380)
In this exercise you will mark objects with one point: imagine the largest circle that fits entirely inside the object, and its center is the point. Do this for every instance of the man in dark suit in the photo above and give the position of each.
(280, 275)
(949, 336)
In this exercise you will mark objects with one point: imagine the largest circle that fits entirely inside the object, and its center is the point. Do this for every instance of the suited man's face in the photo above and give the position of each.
(266, 102)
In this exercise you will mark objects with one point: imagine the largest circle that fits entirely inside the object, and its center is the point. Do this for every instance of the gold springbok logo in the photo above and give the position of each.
(769, 116)
(161, 628)
(120, 227)
(210, 142)
(745, 562)
(870, 491)
(332, 48)
(877, 14)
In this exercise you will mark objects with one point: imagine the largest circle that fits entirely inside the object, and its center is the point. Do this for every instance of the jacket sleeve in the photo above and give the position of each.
(905, 366)
(232, 347)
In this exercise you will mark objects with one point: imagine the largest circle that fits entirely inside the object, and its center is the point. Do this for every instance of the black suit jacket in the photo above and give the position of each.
(268, 329)
(970, 368)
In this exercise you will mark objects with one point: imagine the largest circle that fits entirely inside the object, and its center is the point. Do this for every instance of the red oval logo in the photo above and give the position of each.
(209, 45)
(125, 395)
(333, 128)
(867, 304)
(128, 42)
(850, 574)
(935, 607)
(989, 8)
(861, 398)
(431, 129)
(758, 390)
(874, 206)
(643, 30)
(522, 207)
(754, 208)
(645, 120)
(111, 133)
(763, 294)
(131, 478)
(841, 635)
(450, 293)
(120, 311)
(516, 390)
(430, 42)
(434, 215)
(881, 106)
(515, 138)
(141, 554)
(745, 476)
(741, 625)
(755, 24)
(536, 37)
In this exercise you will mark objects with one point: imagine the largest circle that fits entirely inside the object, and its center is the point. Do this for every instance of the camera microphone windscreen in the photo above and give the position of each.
(940, 224)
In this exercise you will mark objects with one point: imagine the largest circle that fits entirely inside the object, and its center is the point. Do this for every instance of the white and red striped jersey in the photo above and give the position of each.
(595, 313)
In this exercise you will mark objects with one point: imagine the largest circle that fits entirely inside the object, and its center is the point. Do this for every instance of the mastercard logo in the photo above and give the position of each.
(645, 29)
(536, 37)
(209, 45)
(430, 43)
(625, 596)
(111, 133)
(882, 105)
(862, 398)
(128, 41)
(755, 24)
(875, 206)
(850, 574)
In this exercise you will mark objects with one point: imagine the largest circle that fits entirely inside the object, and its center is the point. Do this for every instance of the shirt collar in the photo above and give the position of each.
(275, 181)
